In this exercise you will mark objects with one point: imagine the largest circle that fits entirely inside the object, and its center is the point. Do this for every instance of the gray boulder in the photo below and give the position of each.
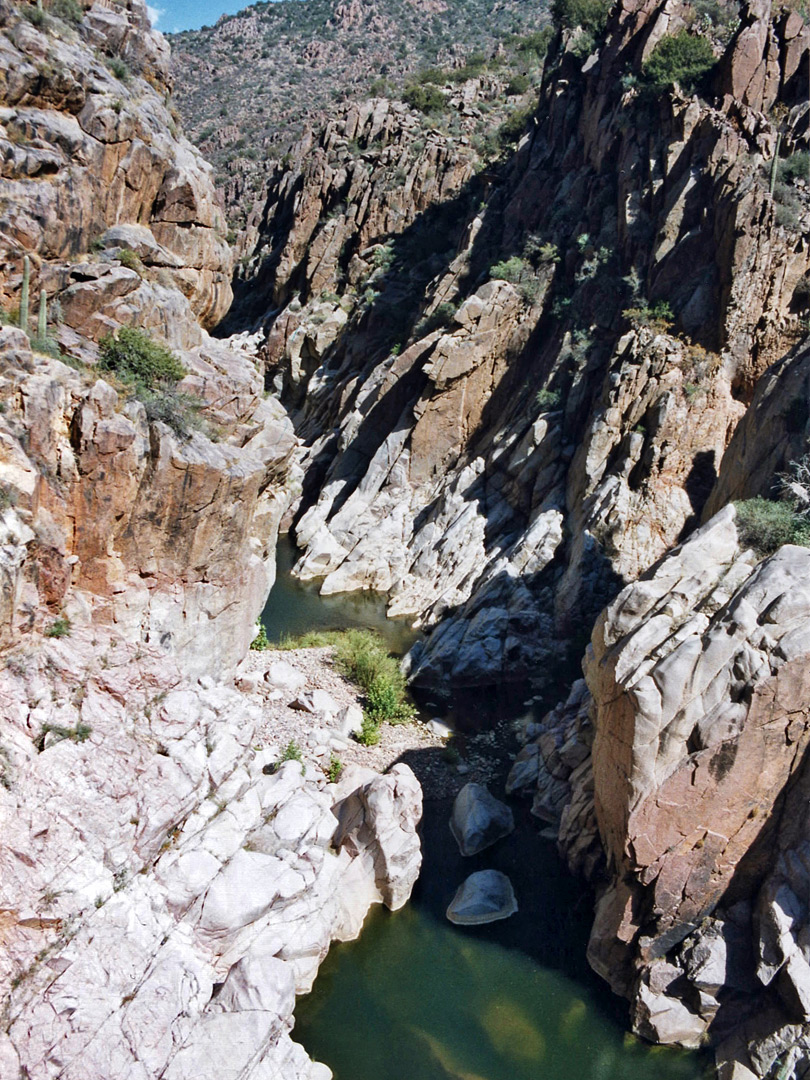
(484, 897)
(479, 819)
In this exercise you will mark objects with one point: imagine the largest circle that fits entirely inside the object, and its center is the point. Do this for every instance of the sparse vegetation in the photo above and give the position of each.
(131, 261)
(59, 628)
(293, 752)
(657, 316)
(260, 642)
(119, 68)
(80, 733)
(334, 769)
(426, 99)
(137, 359)
(362, 657)
(67, 10)
(548, 400)
(765, 525)
(681, 58)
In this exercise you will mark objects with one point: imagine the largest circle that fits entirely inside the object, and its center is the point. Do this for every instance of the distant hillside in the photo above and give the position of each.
(248, 87)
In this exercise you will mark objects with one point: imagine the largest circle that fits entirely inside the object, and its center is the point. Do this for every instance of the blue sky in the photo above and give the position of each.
(173, 15)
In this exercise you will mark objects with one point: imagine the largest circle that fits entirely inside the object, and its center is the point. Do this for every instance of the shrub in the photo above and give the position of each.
(180, 412)
(363, 658)
(513, 127)
(260, 642)
(681, 58)
(128, 258)
(334, 769)
(59, 627)
(441, 316)
(795, 167)
(67, 11)
(765, 525)
(427, 99)
(659, 316)
(369, 732)
(119, 68)
(508, 270)
(292, 752)
(35, 15)
(591, 15)
(81, 733)
(548, 400)
(136, 358)
(518, 84)
(537, 43)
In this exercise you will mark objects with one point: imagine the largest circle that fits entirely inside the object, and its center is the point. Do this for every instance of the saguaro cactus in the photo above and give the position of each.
(24, 294)
(42, 319)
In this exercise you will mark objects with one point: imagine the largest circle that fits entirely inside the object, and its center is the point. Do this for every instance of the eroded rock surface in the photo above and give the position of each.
(165, 895)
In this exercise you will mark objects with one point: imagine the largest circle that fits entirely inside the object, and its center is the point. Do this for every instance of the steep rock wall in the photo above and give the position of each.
(498, 455)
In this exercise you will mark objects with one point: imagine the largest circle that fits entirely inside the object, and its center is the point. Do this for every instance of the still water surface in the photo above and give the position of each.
(415, 998)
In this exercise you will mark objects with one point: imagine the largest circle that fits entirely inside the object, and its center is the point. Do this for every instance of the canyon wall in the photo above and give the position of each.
(523, 397)
(165, 889)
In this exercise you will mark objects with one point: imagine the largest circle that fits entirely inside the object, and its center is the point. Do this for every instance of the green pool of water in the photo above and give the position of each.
(294, 607)
(414, 999)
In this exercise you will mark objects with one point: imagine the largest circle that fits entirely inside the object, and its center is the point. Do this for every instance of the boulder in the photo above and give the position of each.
(484, 897)
(479, 819)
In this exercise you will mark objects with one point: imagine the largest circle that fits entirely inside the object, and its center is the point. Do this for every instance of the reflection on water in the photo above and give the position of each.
(294, 607)
(416, 999)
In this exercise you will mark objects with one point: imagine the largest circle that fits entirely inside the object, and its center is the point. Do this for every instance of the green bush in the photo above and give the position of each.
(59, 627)
(513, 127)
(765, 525)
(681, 58)
(795, 167)
(362, 657)
(441, 316)
(292, 752)
(128, 258)
(426, 99)
(548, 400)
(591, 15)
(536, 44)
(334, 769)
(180, 412)
(518, 84)
(119, 68)
(136, 358)
(35, 15)
(260, 642)
(509, 270)
(658, 316)
(369, 731)
(67, 11)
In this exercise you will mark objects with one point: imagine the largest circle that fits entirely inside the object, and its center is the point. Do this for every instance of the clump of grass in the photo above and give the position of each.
(334, 769)
(765, 525)
(362, 657)
(128, 258)
(59, 627)
(310, 639)
(80, 733)
(293, 752)
(119, 68)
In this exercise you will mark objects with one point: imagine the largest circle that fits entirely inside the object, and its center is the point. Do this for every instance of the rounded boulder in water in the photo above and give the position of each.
(484, 897)
(479, 819)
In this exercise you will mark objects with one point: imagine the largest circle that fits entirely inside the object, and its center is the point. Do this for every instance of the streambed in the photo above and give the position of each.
(416, 998)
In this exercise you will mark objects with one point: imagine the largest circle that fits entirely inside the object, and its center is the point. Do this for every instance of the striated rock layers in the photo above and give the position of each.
(164, 893)
(500, 430)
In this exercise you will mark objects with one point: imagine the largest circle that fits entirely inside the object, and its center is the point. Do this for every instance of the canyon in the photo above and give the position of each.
(527, 391)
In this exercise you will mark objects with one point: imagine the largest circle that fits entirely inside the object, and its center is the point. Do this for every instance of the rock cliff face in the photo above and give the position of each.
(165, 892)
(499, 446)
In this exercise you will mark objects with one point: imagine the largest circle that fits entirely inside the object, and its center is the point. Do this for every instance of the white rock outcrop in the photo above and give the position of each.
(164, 897)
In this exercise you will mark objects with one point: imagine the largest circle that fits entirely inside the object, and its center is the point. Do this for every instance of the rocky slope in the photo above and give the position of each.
(278, 70)
(165, 890)
(506, 427)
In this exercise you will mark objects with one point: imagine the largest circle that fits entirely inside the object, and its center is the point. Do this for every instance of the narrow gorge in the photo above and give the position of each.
(512, 343)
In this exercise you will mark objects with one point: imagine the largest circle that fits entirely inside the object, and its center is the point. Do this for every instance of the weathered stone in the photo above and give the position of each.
(479, 819)
(486, 896)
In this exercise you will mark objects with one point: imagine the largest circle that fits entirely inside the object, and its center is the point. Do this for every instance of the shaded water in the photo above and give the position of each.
(415, 998)
(294, 607)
